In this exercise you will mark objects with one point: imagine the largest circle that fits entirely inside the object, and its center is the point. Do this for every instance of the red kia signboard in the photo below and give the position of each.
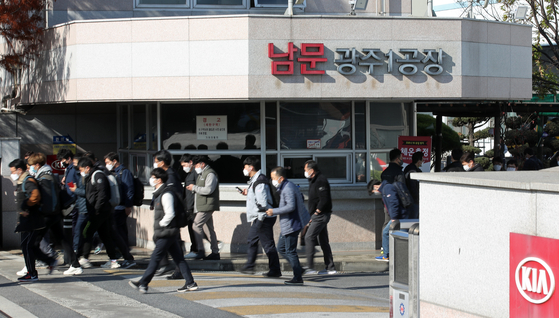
(534, 264)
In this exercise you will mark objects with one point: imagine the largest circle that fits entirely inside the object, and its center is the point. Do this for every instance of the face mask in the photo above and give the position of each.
(152, 182)
(466, 167)
(511, 169)
(84, 174)
(155, 165)
(186, 169)
(14, 176)
(498, 167)
(64, 164)
(307, 175)
(109, 167)
(275, 183)
(245, 172)
(32, 171)
(198, 170)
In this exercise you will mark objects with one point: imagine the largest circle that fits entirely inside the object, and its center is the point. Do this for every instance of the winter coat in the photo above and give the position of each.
(98, 192)
(392, 202)
(393, 173)
(292, 212)
(166, 204)
(28, 201)
(319, 194)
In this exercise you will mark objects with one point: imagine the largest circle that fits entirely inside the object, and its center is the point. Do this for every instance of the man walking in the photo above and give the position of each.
(293, 215)
(191, 175)
(320, 208)
(206, 202)
(395, 210)
(166, 233)
(259, 200)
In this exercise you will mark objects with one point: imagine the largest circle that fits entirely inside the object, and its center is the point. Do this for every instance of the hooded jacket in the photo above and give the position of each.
(97, 192)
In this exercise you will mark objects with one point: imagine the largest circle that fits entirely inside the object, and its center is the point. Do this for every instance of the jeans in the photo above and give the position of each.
(318, 231)
(263, 232)
(162, 246)
(386, 239)
(287, 247)
(78, 232)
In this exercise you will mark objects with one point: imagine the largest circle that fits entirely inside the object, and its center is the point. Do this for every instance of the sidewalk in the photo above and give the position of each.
(346, 261)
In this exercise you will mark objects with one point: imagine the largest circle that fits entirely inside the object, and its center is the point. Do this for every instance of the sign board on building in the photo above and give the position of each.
(211, 127)
(56, 165)
(63, 142)
(409, 145)
(313, 143)
(534, 264)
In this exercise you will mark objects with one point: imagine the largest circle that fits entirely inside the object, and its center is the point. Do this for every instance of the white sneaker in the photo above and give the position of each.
(85, 263)
(327, 272)
(73, 271)
(22, 272)
(111, 264)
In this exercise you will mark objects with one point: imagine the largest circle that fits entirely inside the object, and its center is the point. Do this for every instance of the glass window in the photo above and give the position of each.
(379, 162)
(271, 126)
(139, 127)
(229, 168)
(271, 163)
(240, 123)
(275, 3)
(334, 167)
(153, 126)
(140, 167)
(220, 2)
(387, 123)
(361, 167)
(123, 112)
(295, 166)
(360, 126)
(163, 2)
(322, 125)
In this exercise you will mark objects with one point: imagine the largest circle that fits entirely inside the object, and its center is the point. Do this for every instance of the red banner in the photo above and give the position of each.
(409, 145)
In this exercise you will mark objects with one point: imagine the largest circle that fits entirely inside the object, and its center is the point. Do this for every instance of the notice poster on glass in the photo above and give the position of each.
(211, 127)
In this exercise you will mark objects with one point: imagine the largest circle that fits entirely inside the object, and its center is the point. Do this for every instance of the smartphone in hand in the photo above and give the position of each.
(239, 189)
(70, 184)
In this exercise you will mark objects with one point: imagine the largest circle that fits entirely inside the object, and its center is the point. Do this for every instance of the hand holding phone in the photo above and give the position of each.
(239, 189)
(70, 184)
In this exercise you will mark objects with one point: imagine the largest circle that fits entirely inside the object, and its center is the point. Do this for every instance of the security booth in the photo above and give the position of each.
(404, 268)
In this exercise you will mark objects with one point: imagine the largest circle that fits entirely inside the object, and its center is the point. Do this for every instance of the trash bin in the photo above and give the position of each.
(404, 269)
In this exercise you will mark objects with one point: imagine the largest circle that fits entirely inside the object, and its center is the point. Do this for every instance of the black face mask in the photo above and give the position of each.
(65, 164)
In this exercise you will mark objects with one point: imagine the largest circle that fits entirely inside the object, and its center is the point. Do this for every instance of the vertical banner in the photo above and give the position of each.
(409, 145)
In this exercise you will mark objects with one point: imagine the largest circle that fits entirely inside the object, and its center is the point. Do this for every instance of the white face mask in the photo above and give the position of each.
(466, 167)
(84, 174)
(511, 169)
(152, 182)
(109, 167)
(198, 170)
(155, 165)
(245, 172)
(14, 176)
(307, 175)
(498, 167)
(186, 169)
(275, 183)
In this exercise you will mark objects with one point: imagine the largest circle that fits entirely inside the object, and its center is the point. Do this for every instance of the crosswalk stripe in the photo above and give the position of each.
(205, 295)
(280, 309)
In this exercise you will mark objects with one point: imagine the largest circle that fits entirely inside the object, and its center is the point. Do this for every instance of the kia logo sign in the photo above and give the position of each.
(534, 279)
(57, 165)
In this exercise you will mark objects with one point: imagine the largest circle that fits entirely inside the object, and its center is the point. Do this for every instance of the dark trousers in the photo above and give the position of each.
(79, 240)
(120, 225)
(102, 224)
(262, 231)
(54, 224)
(162, 246)
(192, 235)
(287, 247)
(119, 242)
(318, 231)
(31, 251)
(67, 229)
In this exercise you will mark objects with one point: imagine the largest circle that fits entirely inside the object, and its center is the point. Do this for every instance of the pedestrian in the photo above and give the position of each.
(71, 174)
(532, 162)
(455, 165)
(293, 215)
(30, 220)
(413, 185)
(191, 175)
(259, 200)
(512, 165)
(206, 202)
(82, 214)
(395, 210)
(166, 204)
(468, 163)
(320, 209)
(497, 163)
(97, 193)
(394, 170)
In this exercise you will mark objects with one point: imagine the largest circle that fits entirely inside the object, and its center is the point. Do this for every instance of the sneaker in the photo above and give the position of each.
(382, 258)
(200, 255)
(85, 263)
(162, 270)
(212, 257)
(175, 276)
(188, 287)
(73, 271)
(22, 272)
(98, 249)
(271, 274)
(143, 289)
(52, 266)
(40, 264)
(28, 278)
(309, 271)
(294, 282)
(111, 264)
(249, 271)
(327, 272)
(127, 264)
(191, 255)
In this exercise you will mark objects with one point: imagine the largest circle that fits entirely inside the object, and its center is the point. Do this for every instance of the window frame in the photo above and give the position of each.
(138, 5)
(195, 5)
(263, 5)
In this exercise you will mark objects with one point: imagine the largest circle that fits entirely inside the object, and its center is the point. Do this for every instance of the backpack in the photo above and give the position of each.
(138, 198)
(50, 193)
(273, 191)
(403, 194)
(114, 186)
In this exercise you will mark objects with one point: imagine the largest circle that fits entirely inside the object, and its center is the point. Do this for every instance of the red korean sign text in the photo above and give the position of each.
(409, 145)
(311, 54)
(534, 264)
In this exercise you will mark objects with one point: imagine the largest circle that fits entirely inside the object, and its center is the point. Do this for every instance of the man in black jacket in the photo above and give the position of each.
(394, 170)
(320, 208)
(469, 164)
(166, 203)
(191, 175)
(97, 194)
(456, 165)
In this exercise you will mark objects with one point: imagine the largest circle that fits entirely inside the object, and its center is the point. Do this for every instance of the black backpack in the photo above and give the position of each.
(50, 191)
(138, 198)
(273, 191)
(403, 193)
(180, 211)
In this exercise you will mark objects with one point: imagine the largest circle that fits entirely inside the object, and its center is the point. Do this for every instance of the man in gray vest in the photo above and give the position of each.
(206, 201)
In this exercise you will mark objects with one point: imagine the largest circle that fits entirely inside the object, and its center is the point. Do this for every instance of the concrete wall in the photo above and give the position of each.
(465, 222)
(226, 57)
(9, 150)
